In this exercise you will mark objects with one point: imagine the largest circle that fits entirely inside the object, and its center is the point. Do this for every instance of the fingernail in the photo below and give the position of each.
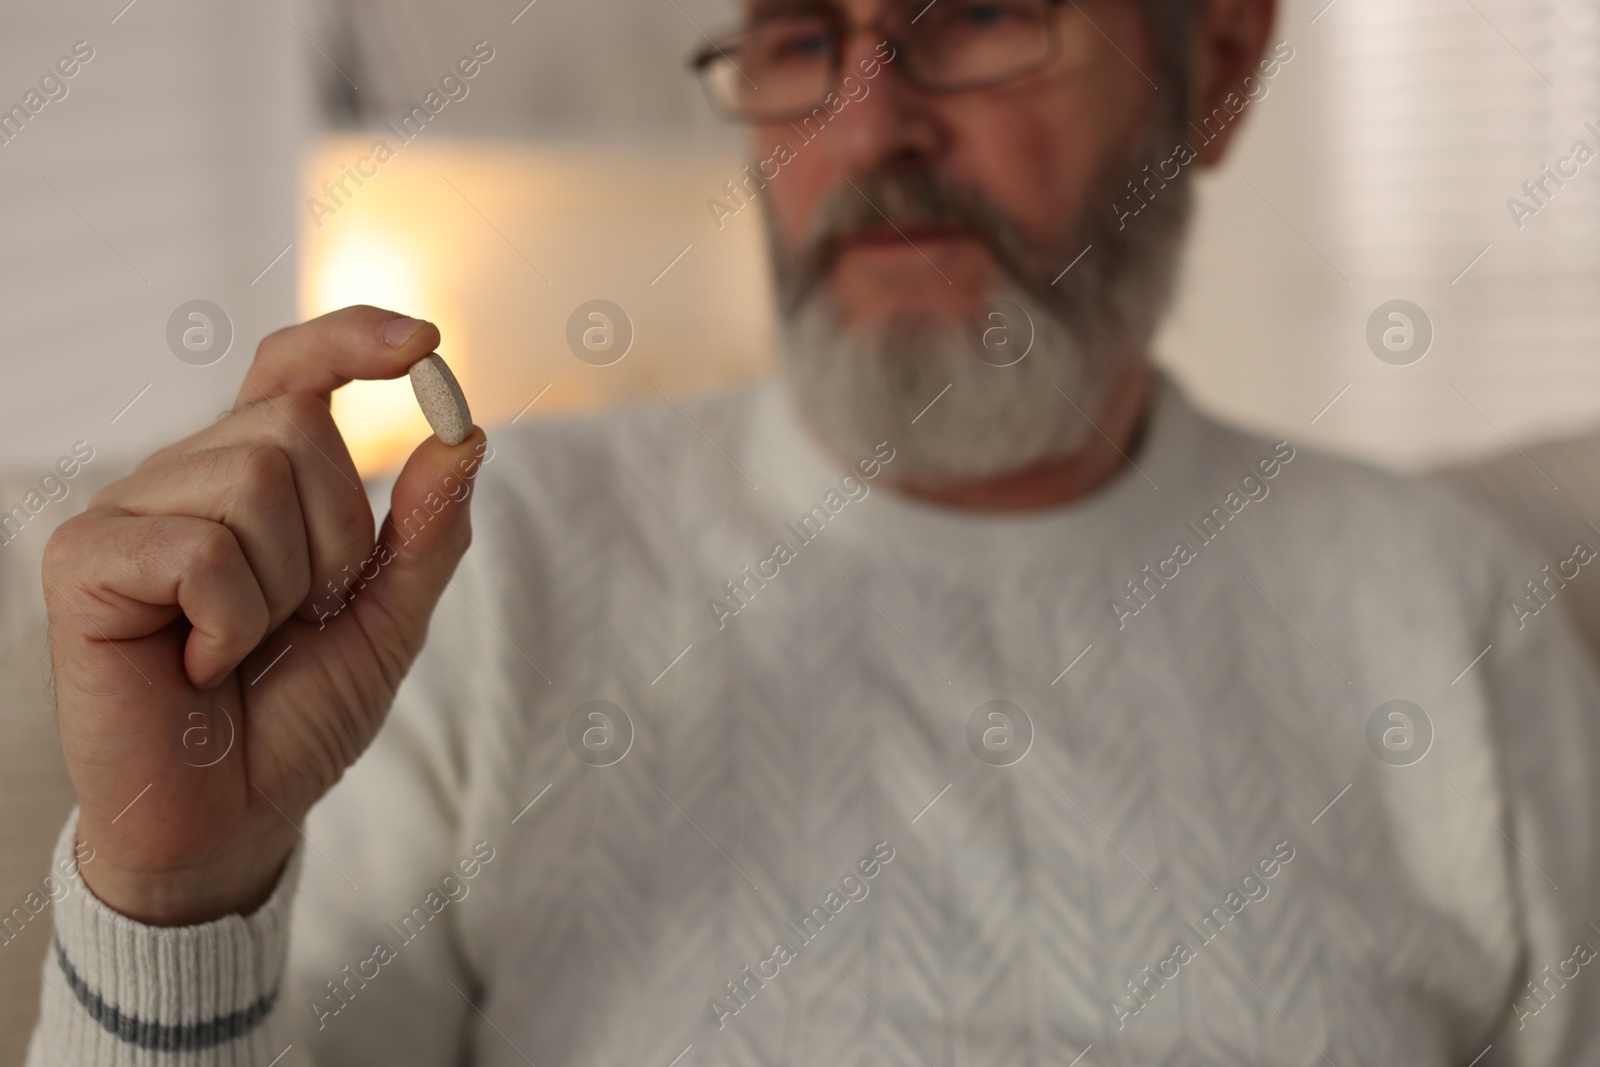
(397, 332)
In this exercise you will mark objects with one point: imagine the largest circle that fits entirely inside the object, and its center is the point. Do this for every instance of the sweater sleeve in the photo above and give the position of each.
(373, 969)
(1546, 695)
(118, 991)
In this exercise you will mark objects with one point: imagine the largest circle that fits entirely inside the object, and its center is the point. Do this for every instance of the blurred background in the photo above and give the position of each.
(185, 159)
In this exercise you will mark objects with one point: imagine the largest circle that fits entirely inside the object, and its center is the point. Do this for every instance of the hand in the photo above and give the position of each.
(191, 614)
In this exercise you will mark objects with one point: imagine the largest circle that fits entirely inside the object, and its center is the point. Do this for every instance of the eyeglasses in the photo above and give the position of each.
(784, 64)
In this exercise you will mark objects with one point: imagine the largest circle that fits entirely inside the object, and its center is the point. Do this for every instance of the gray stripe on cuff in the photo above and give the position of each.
(162, 1037)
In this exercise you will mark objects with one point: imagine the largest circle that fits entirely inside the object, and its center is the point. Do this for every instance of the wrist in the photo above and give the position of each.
(233, 885)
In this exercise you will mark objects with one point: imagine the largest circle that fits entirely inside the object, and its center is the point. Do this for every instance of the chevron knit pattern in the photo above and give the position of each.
(921, 788)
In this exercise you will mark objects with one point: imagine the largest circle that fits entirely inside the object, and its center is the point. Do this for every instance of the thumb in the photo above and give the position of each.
(421, 541)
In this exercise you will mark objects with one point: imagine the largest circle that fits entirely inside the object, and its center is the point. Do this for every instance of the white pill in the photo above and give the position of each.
(440, 397)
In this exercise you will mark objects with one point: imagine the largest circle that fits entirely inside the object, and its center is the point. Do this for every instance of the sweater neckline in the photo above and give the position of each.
(794, 474)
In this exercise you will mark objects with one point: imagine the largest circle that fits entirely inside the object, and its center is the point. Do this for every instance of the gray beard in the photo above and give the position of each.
(855, 388)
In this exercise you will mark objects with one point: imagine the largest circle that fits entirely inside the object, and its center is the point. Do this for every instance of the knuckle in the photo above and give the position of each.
(213, 553)
(242, 628)
(243, 625)
(66, 548)
(260, 470)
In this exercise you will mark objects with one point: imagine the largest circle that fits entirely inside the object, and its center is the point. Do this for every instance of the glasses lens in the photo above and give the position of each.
(775, 69)
(956, 43)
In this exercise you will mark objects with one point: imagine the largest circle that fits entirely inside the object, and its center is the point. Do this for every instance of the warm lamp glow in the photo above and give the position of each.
(358, 266)
(372, 252)
(499, 243)
(380, 420)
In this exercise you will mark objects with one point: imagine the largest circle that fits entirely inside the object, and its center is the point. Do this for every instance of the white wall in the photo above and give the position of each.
(177, 147)
(1378, 167)
(1389, 146)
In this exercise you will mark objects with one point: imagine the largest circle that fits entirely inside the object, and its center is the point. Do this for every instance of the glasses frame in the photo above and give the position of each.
(842, 30)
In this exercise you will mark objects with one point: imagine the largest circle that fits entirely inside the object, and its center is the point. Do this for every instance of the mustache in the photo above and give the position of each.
(903, 197)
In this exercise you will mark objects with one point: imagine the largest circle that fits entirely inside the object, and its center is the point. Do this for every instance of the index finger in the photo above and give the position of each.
(353, 343)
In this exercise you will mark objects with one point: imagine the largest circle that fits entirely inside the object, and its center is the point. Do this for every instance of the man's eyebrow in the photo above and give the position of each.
(762, 10)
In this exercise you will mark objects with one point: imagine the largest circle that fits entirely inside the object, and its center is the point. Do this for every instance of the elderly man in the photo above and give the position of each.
(965, 696)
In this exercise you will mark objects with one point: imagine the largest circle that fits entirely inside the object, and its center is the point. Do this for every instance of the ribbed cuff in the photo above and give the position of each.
(118, 992)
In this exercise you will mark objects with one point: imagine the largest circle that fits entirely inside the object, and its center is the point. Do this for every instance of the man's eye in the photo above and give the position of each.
(981, 16)
(797, 46)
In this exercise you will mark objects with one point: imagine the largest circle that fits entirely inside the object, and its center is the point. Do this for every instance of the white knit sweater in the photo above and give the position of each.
(1551, 494)
(1193, 829)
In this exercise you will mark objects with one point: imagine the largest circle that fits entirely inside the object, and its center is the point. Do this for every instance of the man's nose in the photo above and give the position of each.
(886, 121)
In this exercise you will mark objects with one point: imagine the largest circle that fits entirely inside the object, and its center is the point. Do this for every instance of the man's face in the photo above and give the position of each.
(900, 215)
(1033, 148)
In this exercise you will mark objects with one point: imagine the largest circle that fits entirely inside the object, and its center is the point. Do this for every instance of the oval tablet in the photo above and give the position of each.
(440, 397)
